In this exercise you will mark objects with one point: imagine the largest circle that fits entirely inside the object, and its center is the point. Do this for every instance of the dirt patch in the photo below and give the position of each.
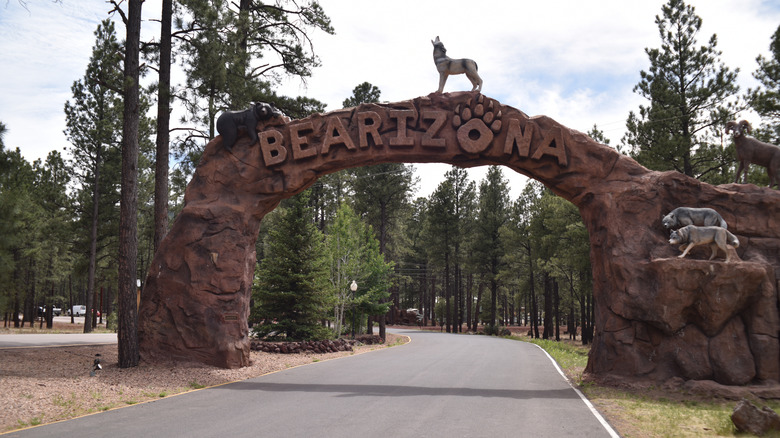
(43, 385)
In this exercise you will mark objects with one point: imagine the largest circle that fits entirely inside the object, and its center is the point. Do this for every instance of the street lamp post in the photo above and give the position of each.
(353, 288)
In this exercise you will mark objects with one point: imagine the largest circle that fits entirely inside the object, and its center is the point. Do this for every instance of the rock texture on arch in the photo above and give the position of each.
(656, 316)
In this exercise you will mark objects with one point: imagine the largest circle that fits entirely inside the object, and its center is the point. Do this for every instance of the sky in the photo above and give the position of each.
(572, 60)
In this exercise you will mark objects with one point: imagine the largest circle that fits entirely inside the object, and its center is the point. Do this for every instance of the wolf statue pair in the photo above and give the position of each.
(699, 226)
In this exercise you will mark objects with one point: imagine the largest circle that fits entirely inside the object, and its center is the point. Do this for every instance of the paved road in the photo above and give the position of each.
(55, 339)
(439, 385)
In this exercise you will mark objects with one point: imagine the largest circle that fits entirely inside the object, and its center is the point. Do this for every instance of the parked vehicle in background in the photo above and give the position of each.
(56, 311)
(78, 310)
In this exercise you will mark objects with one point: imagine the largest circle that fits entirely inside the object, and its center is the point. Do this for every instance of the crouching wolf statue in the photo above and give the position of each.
(703, 217)
(691, 235)
(448, 66)
(230, 122)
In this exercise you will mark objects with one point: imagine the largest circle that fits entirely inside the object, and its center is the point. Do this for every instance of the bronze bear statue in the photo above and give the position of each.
(230, 122)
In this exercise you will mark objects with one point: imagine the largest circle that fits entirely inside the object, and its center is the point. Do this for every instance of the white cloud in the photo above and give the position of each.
(574, 61)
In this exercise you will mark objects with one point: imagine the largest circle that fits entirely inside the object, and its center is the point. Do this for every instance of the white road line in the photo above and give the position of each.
(590, 406)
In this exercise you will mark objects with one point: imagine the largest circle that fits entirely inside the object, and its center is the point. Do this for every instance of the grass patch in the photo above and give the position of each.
(61, 401)
(572, 358)
(649, 412)
(196, 385)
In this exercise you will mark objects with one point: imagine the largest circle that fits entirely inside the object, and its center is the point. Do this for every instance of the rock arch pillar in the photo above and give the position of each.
(649, 304)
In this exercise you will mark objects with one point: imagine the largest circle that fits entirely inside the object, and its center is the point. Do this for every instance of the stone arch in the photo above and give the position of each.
(656, 316)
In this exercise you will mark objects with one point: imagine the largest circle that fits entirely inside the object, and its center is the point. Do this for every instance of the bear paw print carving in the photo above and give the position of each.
(477, 123)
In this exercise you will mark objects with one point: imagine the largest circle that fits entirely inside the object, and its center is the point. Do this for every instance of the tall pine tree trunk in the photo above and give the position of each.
(128, 207)
(447, 308)
(432, 302)
(469, 300)
(93, 236)
(163, 127)
(493, 304)
(477, 309)
(458, 296)
(548, 307)
(557, 311)
(534, 303)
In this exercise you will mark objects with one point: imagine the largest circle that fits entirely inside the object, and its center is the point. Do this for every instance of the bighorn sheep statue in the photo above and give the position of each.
(750, 150)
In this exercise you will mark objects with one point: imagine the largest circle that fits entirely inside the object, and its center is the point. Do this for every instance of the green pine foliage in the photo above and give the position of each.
(691, 95)
(354, 256)
(234, 53)
(450, 219)
(765, 100)
(94, 119)
(493, 214)
(363, 93)
(291, 292)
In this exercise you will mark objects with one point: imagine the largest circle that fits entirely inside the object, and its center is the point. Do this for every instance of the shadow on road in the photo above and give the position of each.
(402, 391)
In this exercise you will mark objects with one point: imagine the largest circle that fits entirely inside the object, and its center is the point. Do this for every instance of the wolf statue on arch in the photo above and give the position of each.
(656, 316)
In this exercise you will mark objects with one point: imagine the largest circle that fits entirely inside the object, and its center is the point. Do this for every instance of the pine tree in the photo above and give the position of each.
(354, 256)
(235, 52)
(52, 179)
(691, 96)
(765, 100)
(93, 120)
(449, 224)
(127, 333)
(291, 291)
(363, 93)
(442, 233)
(163, 126)
(18, 234)
(520, 260)
(493, 210)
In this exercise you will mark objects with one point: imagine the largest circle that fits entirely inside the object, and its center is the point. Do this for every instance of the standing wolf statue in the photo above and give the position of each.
(703, 217)
(448, 66)
(716, 237)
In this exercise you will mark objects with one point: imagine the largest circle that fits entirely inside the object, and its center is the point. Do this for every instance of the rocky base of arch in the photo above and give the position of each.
(659, 317)
(693, 319)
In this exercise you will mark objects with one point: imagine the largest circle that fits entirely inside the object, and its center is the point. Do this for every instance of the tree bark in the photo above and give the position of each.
(93, 236)
(534, 305)
(477, 309)
(163, 127)
(493, 304)
(469, 300)
(447, 308)
(128, 208)
(557, 311)
(548, 307)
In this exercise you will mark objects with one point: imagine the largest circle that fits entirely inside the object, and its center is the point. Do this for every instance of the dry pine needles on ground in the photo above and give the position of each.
(43, 385)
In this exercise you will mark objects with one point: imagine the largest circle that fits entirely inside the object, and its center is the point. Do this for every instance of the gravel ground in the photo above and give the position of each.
(44, 385)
